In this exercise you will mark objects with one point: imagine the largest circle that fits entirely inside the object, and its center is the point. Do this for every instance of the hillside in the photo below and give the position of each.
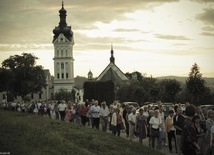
(28, 134)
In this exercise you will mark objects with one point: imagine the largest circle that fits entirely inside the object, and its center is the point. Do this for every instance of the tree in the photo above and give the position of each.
(154, 93)
(139, 90)
(126, 93)
(196, 86)
(64, 95)
(5, 75)
(169, 88)
(26, 78)
(149, 84)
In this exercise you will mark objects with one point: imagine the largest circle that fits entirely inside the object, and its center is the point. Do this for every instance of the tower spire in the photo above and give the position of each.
(112, 54)
(62, 15)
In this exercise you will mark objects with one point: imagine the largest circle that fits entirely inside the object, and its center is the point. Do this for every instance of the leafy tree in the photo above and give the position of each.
(6, 79)
(26, 78)
(169, 88)
(196, 86)
(154, 93)
(64, 95)
(139, 90)
(149, 84)
(139, 94)
(126, 93)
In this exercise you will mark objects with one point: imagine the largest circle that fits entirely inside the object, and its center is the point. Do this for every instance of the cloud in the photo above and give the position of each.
(127, 30)
(208, 28)
(207, 34)
(203, 1)
(207, 16)
(180, 44)
(32, 21)
(100, 43)
(171, 37)
(23, 47)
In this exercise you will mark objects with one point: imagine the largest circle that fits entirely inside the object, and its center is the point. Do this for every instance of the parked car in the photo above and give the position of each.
(166, 106)
(135, 104)
(206, 107)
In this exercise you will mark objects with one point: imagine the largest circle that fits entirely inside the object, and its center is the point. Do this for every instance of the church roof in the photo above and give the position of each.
(112, 72)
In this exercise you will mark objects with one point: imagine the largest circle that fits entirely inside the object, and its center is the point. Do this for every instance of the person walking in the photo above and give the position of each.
(61, 108)
(141, 125)
(126, 112)
(132, 123)
(178, 121)
(200, 134)
(151, 114)
(116, 122)
(155, 125)
(95, 110)
(104, 113)
(68, 114)
(209, 124)
(189, 136)
(170, 130)
(83, 111)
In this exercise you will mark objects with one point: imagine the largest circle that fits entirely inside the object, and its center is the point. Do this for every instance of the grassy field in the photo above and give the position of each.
(28, 134)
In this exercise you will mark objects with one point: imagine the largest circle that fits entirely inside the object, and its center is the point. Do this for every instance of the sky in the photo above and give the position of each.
(153, 37)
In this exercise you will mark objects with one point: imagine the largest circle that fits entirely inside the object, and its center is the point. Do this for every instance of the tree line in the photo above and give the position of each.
(20, 76)
(149, 89)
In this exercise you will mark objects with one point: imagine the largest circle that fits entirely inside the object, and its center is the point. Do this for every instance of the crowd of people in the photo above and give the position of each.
(188, 128)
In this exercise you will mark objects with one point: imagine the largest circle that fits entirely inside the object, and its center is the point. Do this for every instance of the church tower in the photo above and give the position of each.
(63, 41)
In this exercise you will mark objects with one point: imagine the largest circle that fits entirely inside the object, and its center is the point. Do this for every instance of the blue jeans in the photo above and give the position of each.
(160, 138)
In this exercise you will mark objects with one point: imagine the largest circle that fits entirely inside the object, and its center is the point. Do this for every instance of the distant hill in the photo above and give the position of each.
(178, 78)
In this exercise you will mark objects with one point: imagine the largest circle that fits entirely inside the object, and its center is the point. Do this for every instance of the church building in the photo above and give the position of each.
(63, 41)
(113, 73)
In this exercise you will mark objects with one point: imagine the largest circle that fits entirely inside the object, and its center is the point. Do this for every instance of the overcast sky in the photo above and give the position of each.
(156, 37)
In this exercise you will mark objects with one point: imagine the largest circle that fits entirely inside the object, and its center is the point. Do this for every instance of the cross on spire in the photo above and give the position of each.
(112, 54)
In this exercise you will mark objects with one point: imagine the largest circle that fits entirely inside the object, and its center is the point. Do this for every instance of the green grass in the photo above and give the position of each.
(27, 134)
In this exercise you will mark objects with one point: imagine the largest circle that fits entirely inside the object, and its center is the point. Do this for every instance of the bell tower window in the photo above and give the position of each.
(62, 65)
(62, 53)
(66, 52)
